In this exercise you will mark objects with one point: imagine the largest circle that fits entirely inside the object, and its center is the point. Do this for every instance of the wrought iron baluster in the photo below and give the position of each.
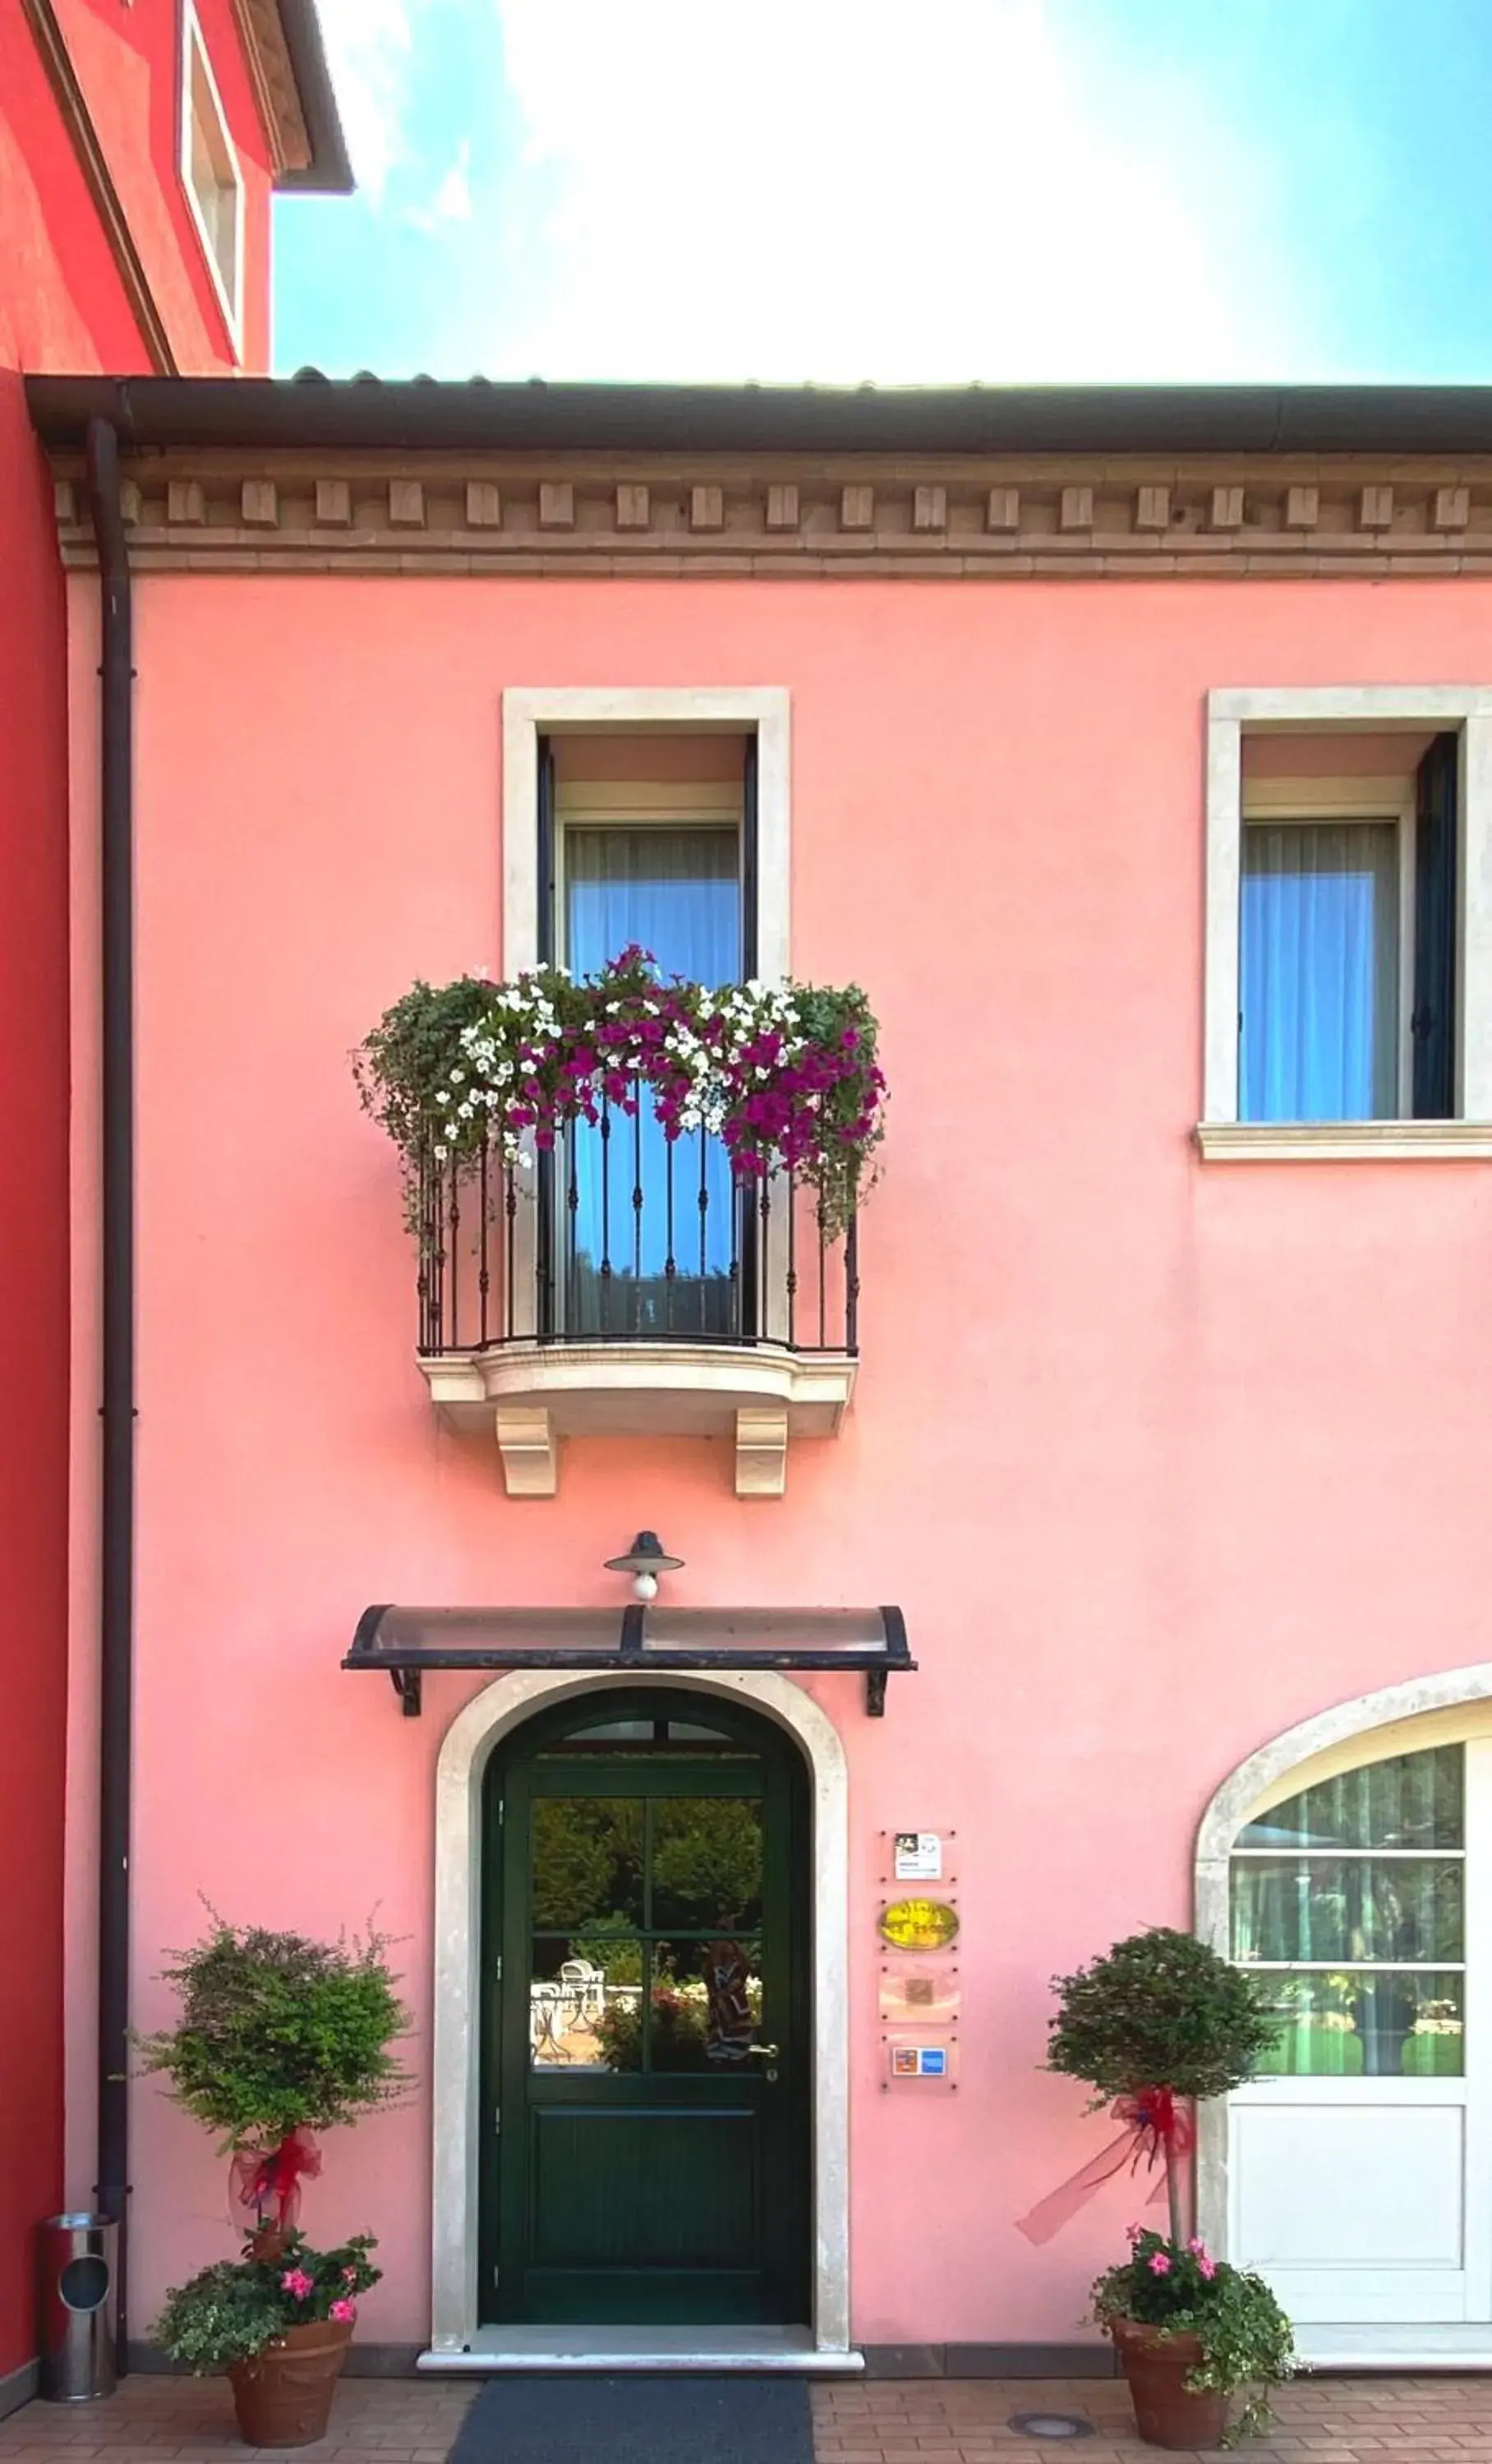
(763, 1250)
(852, 1285)
(573, 1314)
(483, 1272)
(605, 1215)
(670, 1269)
(704, 1214)
(634, 1305)
(456, 1254)
(437, 1258)
(423, 1242)
(510, 1210)
(792, 1279)
(823, 1276)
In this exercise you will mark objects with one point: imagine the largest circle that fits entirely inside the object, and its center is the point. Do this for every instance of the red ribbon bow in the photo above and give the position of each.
(1156, 2128)
(264, 2177)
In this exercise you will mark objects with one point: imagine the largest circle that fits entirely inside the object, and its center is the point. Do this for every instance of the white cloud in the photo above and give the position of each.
(370, 48)
(898, 189)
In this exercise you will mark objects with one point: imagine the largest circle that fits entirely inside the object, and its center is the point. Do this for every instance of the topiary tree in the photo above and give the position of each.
(280, 2036)
(1161, 2016)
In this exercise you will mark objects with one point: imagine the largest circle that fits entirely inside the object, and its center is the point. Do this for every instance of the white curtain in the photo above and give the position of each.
(676, 891)
(1320, 972)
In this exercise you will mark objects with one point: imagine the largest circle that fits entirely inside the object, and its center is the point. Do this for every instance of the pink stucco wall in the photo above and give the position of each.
(1159, 1458)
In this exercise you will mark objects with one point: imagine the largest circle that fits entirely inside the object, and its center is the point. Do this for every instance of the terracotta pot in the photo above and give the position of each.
(1167, 2411)
(282, 2397)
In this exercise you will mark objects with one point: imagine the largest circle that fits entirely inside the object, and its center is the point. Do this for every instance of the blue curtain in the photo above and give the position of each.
(1320, 972)
(676, 891)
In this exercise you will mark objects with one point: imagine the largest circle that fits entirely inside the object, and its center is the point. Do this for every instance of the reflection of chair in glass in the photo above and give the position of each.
(547, 2023)
(583, 1989)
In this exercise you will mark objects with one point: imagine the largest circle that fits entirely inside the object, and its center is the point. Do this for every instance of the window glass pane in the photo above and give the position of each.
(1407, 1801)
(1377, 2025)
(707, 1863)
(652, 1223)
(705, 2004)
(585, 1995)
(587, 1862)
(1359, 1908)
(1320, 972)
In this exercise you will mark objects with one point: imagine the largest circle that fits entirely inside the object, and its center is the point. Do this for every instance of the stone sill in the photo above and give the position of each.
(759, 1395)
(1345, 1141)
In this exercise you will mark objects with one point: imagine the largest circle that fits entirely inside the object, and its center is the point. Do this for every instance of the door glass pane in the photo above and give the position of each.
(1407, 1801)
(584, 1997)
(587, 1862)
(707, 1863)
(705, 2004)
(1374, 2024)
(1320, 983)
(652, 1235)
(1358, 1908)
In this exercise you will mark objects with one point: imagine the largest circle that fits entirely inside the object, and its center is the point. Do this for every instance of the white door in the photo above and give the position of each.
(1359, 2167)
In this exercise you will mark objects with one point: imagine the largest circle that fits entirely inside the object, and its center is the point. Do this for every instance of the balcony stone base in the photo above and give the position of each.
(759, 1395)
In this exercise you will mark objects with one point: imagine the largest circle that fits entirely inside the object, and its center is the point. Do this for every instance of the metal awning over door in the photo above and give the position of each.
(632, 1641)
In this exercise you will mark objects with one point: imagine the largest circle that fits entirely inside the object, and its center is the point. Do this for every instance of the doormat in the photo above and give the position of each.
(630, 2418)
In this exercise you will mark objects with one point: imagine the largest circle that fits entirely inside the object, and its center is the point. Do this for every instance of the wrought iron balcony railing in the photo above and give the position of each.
(622, 1236)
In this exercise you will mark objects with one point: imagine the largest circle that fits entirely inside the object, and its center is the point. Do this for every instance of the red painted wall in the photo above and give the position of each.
(63, 306)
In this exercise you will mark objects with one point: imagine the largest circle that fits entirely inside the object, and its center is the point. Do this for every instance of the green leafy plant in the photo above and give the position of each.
(229, 2313)
(1161, 2011)
(784, 1075)
(1177, 2289)
(278, 2034)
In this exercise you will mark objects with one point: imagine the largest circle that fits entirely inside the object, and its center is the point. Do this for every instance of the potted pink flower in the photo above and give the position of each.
(279, 2328)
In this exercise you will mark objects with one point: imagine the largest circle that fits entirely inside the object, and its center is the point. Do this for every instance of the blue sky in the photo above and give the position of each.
(902, 190)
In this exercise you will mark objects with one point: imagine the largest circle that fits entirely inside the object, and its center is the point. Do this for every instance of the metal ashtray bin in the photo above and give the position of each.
(76, 2307)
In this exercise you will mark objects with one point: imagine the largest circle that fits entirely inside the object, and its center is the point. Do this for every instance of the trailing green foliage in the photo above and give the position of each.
(1160, 2009)
(277, 2034)
(1177, 2289)
(229, 2312)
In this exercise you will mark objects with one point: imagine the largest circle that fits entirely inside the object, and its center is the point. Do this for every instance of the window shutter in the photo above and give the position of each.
(548, 920)
(1437, 835)
(749, 936)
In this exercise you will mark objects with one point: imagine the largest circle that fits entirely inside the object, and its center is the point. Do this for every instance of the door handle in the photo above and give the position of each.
(770, 2056)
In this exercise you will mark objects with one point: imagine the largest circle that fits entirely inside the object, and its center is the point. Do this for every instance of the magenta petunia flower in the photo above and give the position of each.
(296, 2282)
(1159, 2264)
(344, 2311)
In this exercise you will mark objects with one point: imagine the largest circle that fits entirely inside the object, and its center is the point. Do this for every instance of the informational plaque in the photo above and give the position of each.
(919, 1991)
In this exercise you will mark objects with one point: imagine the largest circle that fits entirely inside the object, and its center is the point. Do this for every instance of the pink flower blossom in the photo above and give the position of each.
(1197, 2245)
(1132, 2233)
(349, 2275)
(344, 2312)
(295, 2280)
(1159, 2264)
(1207, 2266)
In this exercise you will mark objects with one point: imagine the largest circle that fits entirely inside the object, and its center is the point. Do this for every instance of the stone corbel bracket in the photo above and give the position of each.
(530, 1397)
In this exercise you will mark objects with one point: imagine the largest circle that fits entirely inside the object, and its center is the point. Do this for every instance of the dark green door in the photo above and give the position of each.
(646, 2039)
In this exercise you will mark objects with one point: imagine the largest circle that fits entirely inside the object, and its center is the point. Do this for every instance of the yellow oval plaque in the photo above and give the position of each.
(918, 1925)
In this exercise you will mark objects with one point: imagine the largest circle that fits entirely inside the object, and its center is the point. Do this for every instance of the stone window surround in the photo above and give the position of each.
(1361, 709)
(194, 53)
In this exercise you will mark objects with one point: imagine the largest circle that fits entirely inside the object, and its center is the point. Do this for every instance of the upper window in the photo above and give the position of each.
(1348, 986)
(210, 173)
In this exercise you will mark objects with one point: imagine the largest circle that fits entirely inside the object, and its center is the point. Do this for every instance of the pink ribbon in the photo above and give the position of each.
(1156, 2128)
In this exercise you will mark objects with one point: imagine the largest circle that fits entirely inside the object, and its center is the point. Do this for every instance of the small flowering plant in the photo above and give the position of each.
(784, 1075)
(1177, 2289)
(231, 2311)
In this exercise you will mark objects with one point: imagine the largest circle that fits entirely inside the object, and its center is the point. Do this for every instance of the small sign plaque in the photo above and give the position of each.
(919, 1993)
(917, 1857)
(918, 1925)
(918, 2062)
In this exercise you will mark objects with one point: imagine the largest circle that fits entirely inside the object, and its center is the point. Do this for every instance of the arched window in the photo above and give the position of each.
(1351, 1895)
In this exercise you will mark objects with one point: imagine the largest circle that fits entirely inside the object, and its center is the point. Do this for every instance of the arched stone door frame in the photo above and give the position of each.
(467, 1747)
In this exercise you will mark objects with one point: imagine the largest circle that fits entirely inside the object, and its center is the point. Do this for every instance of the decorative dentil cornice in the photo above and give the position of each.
(972, 517)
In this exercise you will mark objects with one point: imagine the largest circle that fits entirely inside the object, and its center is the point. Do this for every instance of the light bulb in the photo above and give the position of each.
(644, 1587)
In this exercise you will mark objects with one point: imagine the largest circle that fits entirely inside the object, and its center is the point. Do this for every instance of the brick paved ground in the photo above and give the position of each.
(922, 2421)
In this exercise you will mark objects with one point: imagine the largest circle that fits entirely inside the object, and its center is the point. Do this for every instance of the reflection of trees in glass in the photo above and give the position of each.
(706, 1862)
(586, 1860)
(612, 1946)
